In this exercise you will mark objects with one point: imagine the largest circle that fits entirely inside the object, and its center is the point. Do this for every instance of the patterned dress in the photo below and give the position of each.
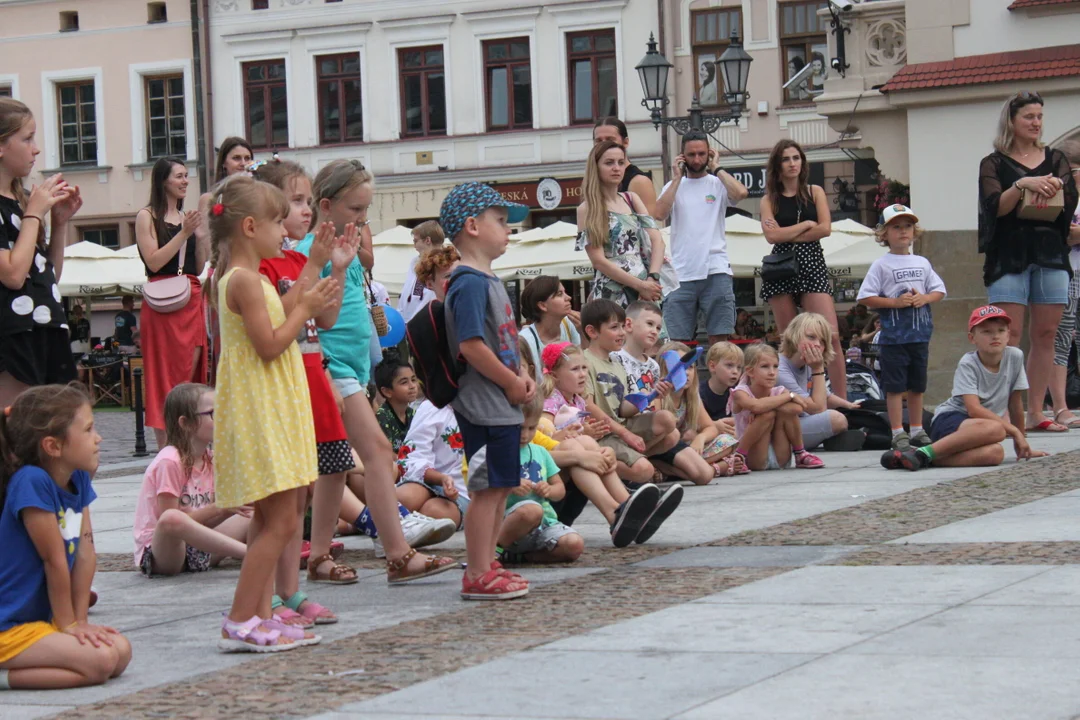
(628, 246)
(264, 434)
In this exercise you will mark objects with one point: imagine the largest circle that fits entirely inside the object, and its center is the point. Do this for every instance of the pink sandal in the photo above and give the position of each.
(299, 636)
(310, 610)
(248, 637)
(289, 616)
(806, 461)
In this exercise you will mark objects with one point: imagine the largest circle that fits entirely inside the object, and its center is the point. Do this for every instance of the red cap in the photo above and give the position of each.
(986, 312)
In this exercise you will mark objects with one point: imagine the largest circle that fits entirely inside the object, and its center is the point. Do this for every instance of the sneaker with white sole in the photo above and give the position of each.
(420, 531)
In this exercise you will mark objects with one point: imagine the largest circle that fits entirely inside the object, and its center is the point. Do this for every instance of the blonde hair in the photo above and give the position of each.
(526, 355)
(13, 115)
(881, 233)
(753, 355)
(337, 177)
(548, 385)
(431, 230)
(1003, 142)
(592, 191)
(183, 402)
(691, 398)
(533, 409)
(239, 197)
(796, 331)
(724, 350)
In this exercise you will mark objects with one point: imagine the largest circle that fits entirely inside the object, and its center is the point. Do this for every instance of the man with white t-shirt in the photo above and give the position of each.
(697, 203)
(414, 295)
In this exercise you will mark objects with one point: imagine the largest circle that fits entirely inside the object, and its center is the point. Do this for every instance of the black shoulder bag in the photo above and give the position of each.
(778, 267)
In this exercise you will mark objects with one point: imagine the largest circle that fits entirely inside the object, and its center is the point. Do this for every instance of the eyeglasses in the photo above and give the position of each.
(208, 413)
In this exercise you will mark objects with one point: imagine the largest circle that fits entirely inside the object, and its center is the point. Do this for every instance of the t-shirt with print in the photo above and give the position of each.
(166, 476)
(477, 306)
(37, 303)
(125, 323)
(716, 405)
(24, 594)
(347, 344)
(392, 427)
(537, 465)
(892, 275)
(414, 295)
(641, 375)
(606, 385)
(698, 242)
(993, 389)
(283, 272)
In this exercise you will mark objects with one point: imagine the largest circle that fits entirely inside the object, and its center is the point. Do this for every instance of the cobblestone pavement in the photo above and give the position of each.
(117, 430)
(620, 585)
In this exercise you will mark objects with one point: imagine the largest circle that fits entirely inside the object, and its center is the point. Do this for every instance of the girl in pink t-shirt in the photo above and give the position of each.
(767, 416)
(178, 528)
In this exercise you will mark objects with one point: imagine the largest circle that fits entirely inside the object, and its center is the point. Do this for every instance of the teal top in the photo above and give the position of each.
(537, 465)
(347, 344)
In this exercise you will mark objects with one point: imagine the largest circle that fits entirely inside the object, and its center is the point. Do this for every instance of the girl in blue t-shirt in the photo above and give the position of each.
(48, 449)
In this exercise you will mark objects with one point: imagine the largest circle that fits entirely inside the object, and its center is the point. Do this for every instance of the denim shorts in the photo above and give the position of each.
(539, 539)
(714, 295)
(349, 386)
(1034, 286)
(461, 501)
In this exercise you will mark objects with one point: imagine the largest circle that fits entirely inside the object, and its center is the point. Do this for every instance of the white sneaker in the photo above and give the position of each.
(420, 531)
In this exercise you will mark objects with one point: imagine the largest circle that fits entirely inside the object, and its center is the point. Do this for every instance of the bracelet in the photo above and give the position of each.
(70, 626)
(35, 217)
(822, 373)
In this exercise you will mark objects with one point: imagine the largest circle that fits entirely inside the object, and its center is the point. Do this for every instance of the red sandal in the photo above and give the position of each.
(495, 584)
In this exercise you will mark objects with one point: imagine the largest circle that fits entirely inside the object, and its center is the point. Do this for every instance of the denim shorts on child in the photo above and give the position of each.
(1036, 285)
(640, 425)
(194, 561)
(540, 539)
(461, 501)
(493, 454)
(903, 367)
(945, 424)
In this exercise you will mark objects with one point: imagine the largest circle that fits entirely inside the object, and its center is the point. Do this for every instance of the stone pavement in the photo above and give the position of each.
(850, 592)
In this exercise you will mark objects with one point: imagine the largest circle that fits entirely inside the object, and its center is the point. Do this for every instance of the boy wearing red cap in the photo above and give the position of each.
(969, 427)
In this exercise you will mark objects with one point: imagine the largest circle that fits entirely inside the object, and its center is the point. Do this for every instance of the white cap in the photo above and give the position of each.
(894, 211)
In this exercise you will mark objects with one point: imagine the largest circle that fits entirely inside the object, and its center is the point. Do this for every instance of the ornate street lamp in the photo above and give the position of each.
(734, 66)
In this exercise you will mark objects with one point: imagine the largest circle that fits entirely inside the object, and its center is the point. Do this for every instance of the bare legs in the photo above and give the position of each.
(175, 530)
(10, 388)
(60, 661)
(1044, 323)
(273, 525)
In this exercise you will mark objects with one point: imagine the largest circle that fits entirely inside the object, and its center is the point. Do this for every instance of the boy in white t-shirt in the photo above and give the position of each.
(643, 321)
(415, 295)
(900, 286)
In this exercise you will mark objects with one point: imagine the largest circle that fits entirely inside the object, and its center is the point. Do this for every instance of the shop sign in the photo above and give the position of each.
(545, 194)
(754, 177)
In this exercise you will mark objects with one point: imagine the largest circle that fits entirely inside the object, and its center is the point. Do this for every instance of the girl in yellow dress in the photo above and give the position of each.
(264, 433)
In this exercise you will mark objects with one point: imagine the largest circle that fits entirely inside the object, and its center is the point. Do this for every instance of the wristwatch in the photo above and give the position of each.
(654, 276)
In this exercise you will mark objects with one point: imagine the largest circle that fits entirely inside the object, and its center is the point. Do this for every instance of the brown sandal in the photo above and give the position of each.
(397, 573)
(338, 575)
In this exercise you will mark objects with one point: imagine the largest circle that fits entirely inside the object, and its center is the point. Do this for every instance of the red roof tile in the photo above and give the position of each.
(1024, 4)
(1040, 63)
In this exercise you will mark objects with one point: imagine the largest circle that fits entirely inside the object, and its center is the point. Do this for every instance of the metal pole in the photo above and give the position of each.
(140, 433)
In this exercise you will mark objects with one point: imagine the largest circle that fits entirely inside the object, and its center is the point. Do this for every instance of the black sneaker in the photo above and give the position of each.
(914, 460)
(632, 514)
(890, 460)
(664, 507)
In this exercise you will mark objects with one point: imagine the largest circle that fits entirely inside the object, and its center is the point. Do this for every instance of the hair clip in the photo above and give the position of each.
(217, 210)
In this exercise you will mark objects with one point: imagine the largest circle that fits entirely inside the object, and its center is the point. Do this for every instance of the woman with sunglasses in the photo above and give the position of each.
(1026, 269)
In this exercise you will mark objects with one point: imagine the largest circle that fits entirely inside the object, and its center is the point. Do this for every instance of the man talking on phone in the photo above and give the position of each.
(696, 201)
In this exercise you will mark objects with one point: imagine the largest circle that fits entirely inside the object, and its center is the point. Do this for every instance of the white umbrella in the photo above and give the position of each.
(91, 270)
(544, 251)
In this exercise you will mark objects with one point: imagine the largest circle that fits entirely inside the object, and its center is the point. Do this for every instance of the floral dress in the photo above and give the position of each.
(628, 246)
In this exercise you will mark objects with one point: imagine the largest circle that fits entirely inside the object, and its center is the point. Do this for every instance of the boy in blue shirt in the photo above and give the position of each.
(483, 333)
(901, 286)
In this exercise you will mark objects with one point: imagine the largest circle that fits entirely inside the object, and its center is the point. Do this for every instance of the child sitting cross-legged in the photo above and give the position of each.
(396, 382)
(531, 531)
(178, 528)
(725, 363)
(969, 427)
(767, 415)
(591, 469)
(431, 460)
(715, 449)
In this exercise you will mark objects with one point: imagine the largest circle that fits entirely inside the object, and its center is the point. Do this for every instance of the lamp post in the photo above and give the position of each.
(734, 66)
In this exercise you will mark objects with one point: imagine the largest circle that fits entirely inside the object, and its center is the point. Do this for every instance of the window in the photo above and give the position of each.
(593, 83)
(5, 91)
(266, 103)
(69, 21)
(260, 4)
(78, 123)
(711, 36)
(508, 84)
(340, 115)
(802, 41)
(156, 13)
(106, 236)
(165, 119)
(423, 91)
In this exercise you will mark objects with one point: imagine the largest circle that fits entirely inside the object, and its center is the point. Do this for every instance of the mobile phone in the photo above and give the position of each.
(682, 167)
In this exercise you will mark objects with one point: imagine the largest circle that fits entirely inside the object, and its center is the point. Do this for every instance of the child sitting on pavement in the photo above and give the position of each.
(969, 427)
(643, 323)
(725, 362)
(177, 527)
(531, 531)
(715, 450)
(901, 285)
(431, 458)
(395, 381)
(767, 415)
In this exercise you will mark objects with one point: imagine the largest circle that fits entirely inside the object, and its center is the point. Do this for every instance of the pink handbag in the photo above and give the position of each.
(171, 294)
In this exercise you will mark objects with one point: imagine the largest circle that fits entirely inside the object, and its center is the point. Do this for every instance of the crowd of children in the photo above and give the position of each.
(578, 408)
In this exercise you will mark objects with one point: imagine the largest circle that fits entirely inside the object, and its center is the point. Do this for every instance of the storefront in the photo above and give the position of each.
(549, 199)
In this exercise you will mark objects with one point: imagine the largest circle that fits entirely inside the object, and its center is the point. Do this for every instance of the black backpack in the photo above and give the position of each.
(430, 350)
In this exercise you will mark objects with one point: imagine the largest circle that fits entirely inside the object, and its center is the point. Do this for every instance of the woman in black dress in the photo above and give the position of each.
(1027, 269)
(794, 217)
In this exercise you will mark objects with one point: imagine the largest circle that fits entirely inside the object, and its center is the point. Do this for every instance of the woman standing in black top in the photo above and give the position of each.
(794, 217)
(174, 343)
(1027, 261)
(635, 180)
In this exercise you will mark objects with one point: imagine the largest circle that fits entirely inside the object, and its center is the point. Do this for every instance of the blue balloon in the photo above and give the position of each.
(397, 327)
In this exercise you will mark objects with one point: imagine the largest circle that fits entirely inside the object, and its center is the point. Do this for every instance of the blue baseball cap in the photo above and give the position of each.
(470, 200)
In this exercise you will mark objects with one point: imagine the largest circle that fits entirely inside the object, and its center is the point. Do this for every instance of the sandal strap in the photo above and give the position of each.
(249, 629)
(276, 602)
(399, 565)
(337, 571)
(298, 599)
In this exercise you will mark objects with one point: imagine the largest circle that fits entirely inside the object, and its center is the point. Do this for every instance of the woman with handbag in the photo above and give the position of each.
(794, 217)
(174, 252)
(1027, 196)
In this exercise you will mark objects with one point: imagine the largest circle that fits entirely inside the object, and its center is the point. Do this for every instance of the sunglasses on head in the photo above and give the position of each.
(1026, 98)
